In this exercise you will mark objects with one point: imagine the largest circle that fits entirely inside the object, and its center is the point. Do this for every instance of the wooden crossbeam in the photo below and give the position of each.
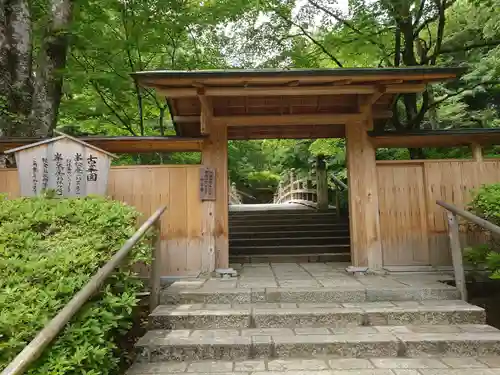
(382, 114)
(269, 91)
(289, 90)
(405, 88)
(379, 114)
(284, 120)
(341, 82)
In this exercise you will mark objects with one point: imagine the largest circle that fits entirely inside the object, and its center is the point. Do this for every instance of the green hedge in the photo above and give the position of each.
(486, 204)
(49, 249)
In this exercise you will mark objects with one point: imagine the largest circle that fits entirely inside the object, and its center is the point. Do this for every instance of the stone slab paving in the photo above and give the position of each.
(276, 315)
(316, 319)
(377, 341)
(308, 282)
(329, 366)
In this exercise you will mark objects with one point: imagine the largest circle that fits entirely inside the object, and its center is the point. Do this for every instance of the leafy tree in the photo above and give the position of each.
(385, 33)
(100, 95)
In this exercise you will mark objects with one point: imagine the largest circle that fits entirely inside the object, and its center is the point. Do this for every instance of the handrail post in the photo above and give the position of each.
(321, 183)
(456, 254)
(156, 269)
(337, 201)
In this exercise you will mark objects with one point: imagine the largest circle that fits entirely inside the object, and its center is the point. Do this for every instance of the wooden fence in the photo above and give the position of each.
(413, 227)
(183, 231)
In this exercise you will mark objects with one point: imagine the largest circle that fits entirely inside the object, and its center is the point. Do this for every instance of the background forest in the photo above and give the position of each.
(66, 64)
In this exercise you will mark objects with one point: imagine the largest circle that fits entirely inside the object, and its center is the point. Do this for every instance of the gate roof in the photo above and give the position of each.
(297, 103)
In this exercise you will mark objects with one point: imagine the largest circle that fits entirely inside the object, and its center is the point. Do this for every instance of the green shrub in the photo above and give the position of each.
(263, 179)
(486, 204)
(49, 249)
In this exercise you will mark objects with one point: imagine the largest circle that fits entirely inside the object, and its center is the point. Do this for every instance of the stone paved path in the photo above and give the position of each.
(316, 319)
(332, 366)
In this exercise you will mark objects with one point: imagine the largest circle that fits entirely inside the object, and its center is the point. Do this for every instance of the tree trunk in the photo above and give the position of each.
(51, 63)
(4, 64)
(432, 111)
(416, 153)
(19, 66)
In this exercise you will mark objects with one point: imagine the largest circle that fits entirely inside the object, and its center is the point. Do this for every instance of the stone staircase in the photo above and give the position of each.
(315, 319)
(304, 235)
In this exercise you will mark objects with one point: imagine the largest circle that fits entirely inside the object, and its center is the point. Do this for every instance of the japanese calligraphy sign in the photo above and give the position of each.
(68, 166)
(207, 184)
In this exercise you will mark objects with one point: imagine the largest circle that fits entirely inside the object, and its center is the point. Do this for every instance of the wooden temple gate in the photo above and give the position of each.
(393, 218)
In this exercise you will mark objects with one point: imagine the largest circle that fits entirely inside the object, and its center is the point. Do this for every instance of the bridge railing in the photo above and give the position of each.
(313, 190)
(293, 190)
(234, 194)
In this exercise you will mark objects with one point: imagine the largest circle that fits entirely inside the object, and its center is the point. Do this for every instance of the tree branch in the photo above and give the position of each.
(492, 43)
(138, 93)
(397, 47)
(419, 13)
(306, 34)
(348, 24)
(104, 100)
(425, 106)
(430, 20)
(441, 4)
(456, 93)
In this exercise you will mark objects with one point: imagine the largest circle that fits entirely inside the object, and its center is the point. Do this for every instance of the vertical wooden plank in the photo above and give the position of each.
(402, 214)
(456, 254)
(363, 196)
(9, 183)
(162, 180)
(177, 243)
(194, 220)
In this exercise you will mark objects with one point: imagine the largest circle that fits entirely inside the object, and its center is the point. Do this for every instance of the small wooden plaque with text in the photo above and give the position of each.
(207, 184)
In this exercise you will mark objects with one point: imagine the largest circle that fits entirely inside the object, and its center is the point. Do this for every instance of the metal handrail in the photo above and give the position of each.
(35, 348)
(454, 235)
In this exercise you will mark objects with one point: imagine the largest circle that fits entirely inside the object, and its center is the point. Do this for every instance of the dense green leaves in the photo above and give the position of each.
(486, 204)
(49, 249)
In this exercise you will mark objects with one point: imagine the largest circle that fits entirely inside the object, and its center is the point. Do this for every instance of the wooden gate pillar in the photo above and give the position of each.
(366, 249)
(214, 155)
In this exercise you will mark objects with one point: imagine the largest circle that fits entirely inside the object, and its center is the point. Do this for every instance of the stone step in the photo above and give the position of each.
(359, 342)
(332, 291)
(328, 365)
(281, 227)
(284, 241)
(290, 258)
(281, 213)
(290, 315)
(287, 219)
(342, 232)
(289, 249)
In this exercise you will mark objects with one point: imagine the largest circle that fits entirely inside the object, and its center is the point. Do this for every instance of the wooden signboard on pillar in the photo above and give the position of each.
(207, 184)
(66, 165)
